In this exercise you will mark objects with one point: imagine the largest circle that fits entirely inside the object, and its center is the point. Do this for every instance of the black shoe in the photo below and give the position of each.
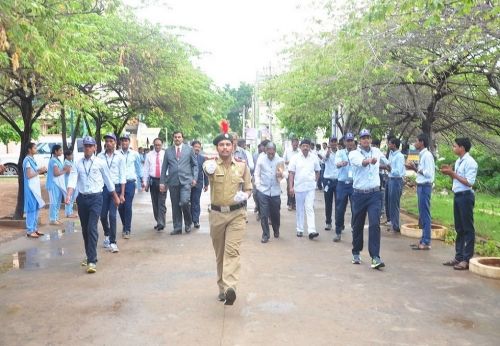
(276, 234)
(313, 235)
(196, 225)
(187, 229)
(221, 297)
(159, 228)
(264, 240)
(175, 232)
(300, 234)
(156, 227)
(337, 238)
(230, 296)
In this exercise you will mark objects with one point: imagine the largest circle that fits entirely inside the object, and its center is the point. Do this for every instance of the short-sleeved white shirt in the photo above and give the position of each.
(305, 169)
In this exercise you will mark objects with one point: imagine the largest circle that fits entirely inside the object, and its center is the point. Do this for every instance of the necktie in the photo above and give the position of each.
(157, 171)
(178, 154)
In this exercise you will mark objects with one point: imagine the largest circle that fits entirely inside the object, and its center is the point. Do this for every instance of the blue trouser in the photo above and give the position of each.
(395, 187)
(424, 211)
(195, 203)
(89, 209)
(344, 193)
(362, 204)
(270, 209)
(125, 209)
(32, 221)
(108, 208)
(55, 203)
(386, 200)
(463, 212)
(330, 187)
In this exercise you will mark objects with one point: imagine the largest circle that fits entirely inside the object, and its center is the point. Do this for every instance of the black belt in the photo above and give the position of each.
(425, 184)
(227, 209)
(463, 193)
(154, 178)
(375, 189)
(130, 180)
(86, 195)
(395, 177)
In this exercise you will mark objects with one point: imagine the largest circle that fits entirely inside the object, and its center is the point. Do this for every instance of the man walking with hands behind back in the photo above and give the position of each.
(230, 188)
(151, 181)
(182, 167)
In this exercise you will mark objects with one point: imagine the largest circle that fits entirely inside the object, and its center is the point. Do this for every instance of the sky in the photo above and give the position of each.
(238, 38)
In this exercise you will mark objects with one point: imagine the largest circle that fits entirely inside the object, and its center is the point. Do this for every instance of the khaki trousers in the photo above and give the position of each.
(227, 231)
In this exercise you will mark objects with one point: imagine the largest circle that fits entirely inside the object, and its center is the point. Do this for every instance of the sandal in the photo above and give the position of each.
(39, 233)
(420, 247)
(32, 235)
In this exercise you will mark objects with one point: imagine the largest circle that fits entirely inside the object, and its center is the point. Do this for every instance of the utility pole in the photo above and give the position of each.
(243, 132)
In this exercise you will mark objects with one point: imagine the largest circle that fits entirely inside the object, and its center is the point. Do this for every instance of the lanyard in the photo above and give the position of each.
(459, 164)
(85, 168)
(126, 158)
(107, 162)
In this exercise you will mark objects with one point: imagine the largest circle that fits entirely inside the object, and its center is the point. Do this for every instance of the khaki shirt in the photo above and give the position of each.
(226, 182)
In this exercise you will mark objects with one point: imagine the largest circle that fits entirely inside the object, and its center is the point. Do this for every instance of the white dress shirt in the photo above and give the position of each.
(305, 169)
(89, 176)
(116, 166)
(149, 169)
(426, 167)
(465, 167)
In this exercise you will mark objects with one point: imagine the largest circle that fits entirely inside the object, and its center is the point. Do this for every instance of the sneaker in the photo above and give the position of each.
(83, 263)
(300, 234)
(106, 242)
(221, 297)
(126, 235)
(356, 259)
(337, 238)
(328, 227)
(290, 208)
(377, 263)
(313, 235)
(113, 248)
(91, 268)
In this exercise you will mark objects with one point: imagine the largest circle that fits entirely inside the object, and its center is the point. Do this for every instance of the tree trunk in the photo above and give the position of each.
(27, 114)
(98, 124)
(64, 129)
(428, 130)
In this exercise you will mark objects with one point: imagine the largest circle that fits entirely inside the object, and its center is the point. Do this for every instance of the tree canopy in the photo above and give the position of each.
(398, 67)
(95, 58)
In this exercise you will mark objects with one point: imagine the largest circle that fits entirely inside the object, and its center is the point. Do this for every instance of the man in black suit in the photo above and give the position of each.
(179, 172)
(201, 185)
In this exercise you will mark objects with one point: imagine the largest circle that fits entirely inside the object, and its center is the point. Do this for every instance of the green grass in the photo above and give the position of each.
(486, 212)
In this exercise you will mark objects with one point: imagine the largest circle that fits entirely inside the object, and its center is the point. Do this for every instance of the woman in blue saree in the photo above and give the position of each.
(33, 201)
(55, 183)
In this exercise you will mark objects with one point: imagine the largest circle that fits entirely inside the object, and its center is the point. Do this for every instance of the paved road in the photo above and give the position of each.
(161, 290)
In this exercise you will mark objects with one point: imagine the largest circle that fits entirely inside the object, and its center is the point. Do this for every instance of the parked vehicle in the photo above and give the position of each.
(42, 157)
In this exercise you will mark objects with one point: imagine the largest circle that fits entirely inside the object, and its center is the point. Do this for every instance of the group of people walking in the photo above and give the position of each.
(105, 183)
(351, 174)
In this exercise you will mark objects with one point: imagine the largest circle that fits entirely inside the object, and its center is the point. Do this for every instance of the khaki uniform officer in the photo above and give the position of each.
(230, 187)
